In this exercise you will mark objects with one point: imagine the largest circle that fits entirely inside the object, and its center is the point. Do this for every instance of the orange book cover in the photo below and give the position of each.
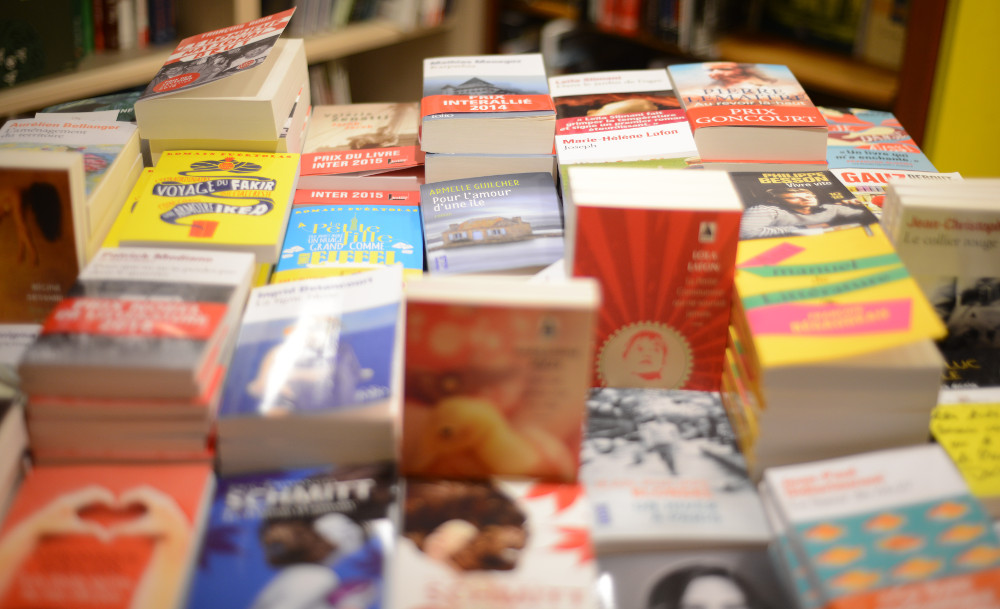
(93, 536)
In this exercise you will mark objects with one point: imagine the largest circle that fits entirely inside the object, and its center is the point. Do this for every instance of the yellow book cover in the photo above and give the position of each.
(111, 240)
(816, 298)
(215, 200)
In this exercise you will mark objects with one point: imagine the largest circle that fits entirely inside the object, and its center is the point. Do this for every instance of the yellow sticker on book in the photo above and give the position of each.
(970, 433)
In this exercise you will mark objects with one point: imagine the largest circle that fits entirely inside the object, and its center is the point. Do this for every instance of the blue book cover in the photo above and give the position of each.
(315, 537)
(505, 223)
(332, 239)
(316, 346)
(871, 139)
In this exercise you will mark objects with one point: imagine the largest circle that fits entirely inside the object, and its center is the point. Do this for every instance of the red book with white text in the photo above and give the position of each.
(662, 243)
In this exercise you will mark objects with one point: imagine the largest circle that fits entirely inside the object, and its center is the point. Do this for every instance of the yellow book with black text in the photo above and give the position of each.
(236, 201)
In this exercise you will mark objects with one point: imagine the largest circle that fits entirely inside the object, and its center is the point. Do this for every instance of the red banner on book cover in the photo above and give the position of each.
(755, 116)
(617, 122)
(353, 161)
(140, 318)
(450, 104)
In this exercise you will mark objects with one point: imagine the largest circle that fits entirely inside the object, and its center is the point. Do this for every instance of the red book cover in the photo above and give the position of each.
(666, 275)
(102, 536)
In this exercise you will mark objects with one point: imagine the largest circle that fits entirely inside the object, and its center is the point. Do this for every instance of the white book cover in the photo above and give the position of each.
(621, 115)
(501, 543)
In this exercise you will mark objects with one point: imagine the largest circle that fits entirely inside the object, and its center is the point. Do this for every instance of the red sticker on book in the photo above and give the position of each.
(152, 318)
(449, 104)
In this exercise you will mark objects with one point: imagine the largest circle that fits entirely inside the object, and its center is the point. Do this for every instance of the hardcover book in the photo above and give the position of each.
(874, 528)
(497, 373)
(358, 140)
(871, 139)
(486, 104)
(749, 112)
(663, 472)
(619, 115)
(316, 537)
(662, 243)
(333, 232)
(235, 201)
(235, 83)
(315, 377)
(140, 323)
(782, 204)
(503, 223)
(103, 536)
(493, 543)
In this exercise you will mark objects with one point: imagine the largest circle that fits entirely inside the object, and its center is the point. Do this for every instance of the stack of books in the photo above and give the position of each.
(895, 527)
(486, 115)
(237, 88)
(828, 330)
(750, 117)
(316, 375)
(129, 366)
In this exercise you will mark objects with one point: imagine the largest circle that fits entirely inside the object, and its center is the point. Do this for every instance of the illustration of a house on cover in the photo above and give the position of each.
(486, 230)
(474, 86)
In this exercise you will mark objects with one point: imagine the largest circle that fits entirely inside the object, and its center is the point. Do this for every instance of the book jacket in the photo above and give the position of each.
(496, 223)
(316, 537)
(519, 544)
(332, 232)
(871, 139)
(103, 536)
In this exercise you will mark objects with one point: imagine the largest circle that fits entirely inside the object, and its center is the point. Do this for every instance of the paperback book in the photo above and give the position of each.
(749, 112)
(662, 243)
(303, 537)
(233, 201)
(497, 371)
(140, 323)
(315, 377)
(358, 140)
(783, 204)
(335, 232)
(445, 166)
(871, 139)
(499, 542)
(619, 115)
(486, 104)
(876, 528)
(663, 472)
(504, 223)
(104, 536)
(869, 185)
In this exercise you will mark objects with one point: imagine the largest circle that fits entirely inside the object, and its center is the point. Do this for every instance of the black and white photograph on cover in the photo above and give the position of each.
(709, 579)
(970, 309)
(796, 203)
(662, 432)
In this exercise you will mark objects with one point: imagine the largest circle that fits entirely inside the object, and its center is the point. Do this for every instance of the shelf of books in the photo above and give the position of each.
(641, 338)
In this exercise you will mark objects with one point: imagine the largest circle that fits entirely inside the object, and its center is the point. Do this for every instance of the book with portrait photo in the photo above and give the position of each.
(305, 537)
(749, 112)
(662, 243)
(784, 204)
(497, 542)
(619, 115)
(662, 470)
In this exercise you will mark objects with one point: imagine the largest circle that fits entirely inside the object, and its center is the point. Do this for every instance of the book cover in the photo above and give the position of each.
(333, 232)
(123, 103)
(823, 297)
(42, 231)
(103, 536)
(869, 185)
(781, 204)
(875, 528)
(871, 139)
(662, 471)
(486, 103)
(734, 108)
(634, 228)
(316, 537)
(238, 201)
(361, 139)
(967, 431)
(497, 372)
(619, 115)
(211, 56)
(505, 223)
(493, 543)
(139, 323)
(315, 346)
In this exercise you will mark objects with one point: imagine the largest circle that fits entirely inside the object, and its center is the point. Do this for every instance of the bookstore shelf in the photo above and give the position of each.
(108, 72)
